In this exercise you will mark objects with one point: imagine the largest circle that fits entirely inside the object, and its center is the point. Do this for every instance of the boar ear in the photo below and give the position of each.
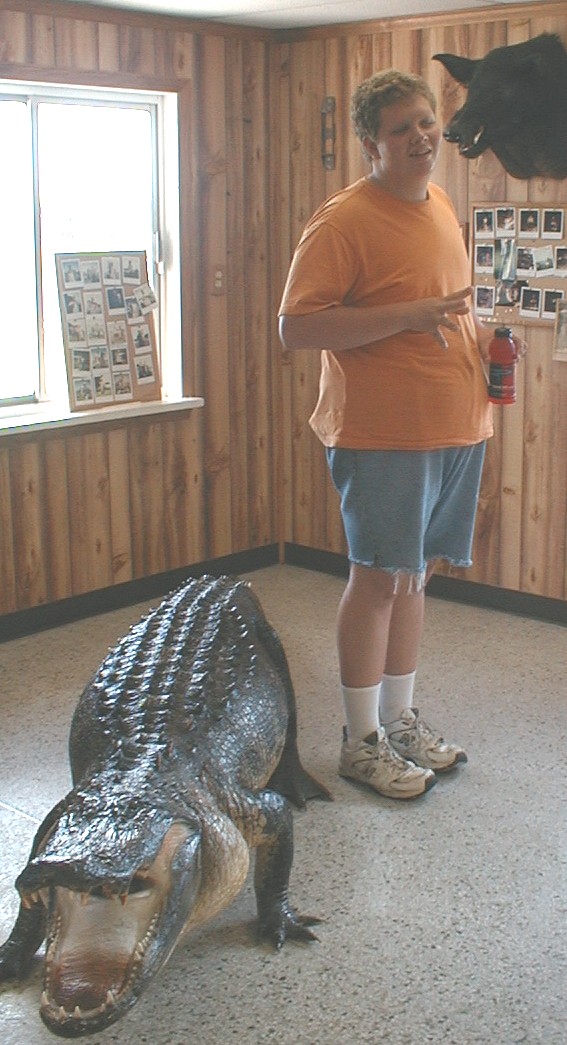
(461, 69)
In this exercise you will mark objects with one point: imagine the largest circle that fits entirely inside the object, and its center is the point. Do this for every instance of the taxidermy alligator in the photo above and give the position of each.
(516, 106)
(182, 746)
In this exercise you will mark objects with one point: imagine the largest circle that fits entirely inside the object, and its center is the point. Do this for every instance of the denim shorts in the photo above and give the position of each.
(402, 509)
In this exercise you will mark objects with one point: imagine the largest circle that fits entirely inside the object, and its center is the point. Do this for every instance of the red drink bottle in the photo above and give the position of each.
(503, 357)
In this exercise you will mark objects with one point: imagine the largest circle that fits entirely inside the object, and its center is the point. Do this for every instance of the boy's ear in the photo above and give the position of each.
(370, 147)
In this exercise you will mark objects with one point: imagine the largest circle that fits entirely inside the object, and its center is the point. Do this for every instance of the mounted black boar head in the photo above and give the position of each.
(516, 106)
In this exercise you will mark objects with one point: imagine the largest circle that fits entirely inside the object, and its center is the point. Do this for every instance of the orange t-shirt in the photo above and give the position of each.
(365, 247)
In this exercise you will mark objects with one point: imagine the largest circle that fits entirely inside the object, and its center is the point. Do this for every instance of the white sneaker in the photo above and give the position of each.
(412, 738)
(373, 761)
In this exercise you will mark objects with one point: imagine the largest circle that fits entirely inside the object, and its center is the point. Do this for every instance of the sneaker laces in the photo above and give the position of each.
(378, 749)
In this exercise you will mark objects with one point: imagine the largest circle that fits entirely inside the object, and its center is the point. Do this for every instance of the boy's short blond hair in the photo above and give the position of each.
(380, 90)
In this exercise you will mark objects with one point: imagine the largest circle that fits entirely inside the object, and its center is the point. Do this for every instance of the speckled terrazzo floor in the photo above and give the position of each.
(445, 919)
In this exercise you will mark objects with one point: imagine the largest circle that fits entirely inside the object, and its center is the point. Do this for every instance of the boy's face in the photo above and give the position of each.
(407, 143)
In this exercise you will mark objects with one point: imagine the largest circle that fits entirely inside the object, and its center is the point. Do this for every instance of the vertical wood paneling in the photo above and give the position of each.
(257, 450)
(147, 499)
(55, 496)
(108, 48)
(212, 198)
(537, 463)
(13, 38)
(27, 514)
(120, 514)
(7, 557)
(238, 278)
(42, 41)
(89, 516)
(307, 191)
(279, 132)
(80, 511)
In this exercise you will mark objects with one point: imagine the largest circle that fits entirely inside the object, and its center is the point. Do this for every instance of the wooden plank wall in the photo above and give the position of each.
(85, 509)
(522, 522)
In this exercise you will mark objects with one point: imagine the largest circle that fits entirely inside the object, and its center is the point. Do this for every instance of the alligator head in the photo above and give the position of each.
(118, 877)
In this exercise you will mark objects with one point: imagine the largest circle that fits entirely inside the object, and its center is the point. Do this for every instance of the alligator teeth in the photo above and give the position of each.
(44, 999)
(77, 1013)
(123, 898)
(63, 1014)
(110, 999)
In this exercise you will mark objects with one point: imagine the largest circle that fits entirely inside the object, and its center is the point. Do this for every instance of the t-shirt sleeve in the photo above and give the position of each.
(322, 272)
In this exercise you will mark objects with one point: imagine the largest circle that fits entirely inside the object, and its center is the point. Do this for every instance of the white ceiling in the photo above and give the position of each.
(271, 14)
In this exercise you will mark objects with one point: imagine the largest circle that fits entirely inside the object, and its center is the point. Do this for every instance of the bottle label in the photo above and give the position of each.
(502, 382)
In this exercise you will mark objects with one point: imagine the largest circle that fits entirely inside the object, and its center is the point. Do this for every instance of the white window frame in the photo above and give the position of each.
(165, 265)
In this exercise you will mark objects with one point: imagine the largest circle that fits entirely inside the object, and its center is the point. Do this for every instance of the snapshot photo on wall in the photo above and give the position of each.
(107, 318)
(519, 260)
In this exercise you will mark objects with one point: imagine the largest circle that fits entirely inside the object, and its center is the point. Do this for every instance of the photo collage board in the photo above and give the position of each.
(107, 307)
(519, 262)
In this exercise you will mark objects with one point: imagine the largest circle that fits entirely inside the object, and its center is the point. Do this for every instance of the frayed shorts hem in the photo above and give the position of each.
(416, 578)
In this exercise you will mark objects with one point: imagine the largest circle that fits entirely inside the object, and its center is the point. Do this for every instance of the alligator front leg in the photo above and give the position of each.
(278, 921)
(27, 935)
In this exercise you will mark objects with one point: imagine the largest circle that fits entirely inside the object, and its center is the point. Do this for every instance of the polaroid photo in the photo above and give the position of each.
(131, 269)
(83, 392)
(96, 330)
(530, 302)
(99, 358)
(111, 270)
(71, 273)
(550, 302)
(507, 295)
(133, 308)
(90, 271)
(505, 259)
(115, 301)
(544, 260)
(528, 223)
(117, 332)
(119, 357)
(484, 300)
(560, 333)
(484, 258)
(141, 337)
(81, 361)
(73, 303)
(484, 223)
(93, 303)
(146, 298)
(103, 387)
(552, 224)
(525, 261)
(76, 332)
(122, 384)
(505, 221)
(144, 369)
(561, 261)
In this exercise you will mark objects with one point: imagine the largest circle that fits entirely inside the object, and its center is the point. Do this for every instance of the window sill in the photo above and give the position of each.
(41, 418)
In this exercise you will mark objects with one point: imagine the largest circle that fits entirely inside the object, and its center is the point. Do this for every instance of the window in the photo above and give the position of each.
(88, 171)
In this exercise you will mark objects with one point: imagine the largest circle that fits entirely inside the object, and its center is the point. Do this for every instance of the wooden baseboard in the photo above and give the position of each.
(38, 618)
(453, 589)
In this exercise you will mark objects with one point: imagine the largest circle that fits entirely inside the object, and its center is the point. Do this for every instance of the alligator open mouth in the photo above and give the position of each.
(103, 945)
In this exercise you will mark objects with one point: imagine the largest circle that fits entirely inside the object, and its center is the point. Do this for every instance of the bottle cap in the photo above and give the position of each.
(503, 332)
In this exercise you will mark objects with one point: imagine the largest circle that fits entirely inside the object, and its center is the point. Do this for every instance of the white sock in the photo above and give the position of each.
(396, 695)
(361, 710)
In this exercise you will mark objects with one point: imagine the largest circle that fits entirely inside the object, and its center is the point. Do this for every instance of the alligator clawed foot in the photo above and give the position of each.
(289, 926)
